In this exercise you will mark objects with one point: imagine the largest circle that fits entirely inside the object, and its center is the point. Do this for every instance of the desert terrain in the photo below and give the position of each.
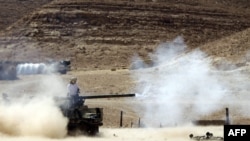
(185, 60)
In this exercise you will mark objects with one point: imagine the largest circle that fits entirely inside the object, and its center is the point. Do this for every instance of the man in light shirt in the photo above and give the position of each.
(73, 92)
(73, 89)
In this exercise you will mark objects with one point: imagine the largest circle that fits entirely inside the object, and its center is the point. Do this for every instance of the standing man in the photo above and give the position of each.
(72, 87)
(73, 93)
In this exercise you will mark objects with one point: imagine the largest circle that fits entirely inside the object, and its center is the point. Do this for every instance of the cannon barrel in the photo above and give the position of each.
(96, 96)
(106, 96)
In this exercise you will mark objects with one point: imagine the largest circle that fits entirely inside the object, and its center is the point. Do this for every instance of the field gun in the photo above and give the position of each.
(82, 118)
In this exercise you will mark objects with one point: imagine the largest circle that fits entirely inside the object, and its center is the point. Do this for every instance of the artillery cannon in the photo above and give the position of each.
(81, 117)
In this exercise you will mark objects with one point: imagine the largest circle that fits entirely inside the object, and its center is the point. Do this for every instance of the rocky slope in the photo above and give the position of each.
(107, 34)
(13, 10)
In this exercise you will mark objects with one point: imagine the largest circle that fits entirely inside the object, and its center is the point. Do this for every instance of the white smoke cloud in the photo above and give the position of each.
(169, 50)
(36, 68)
(51, 85)
(179, 82)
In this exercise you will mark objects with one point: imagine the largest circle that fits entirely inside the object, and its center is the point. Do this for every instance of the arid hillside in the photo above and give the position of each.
(106, 34)
(13, 10)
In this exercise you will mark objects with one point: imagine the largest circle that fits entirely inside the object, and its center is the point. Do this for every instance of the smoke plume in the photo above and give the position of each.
(181, 85)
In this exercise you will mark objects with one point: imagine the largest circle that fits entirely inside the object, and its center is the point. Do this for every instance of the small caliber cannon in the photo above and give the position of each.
(82, 118)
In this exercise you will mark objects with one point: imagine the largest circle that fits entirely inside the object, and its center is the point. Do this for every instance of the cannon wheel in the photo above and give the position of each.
(89, 129)
(93, 130)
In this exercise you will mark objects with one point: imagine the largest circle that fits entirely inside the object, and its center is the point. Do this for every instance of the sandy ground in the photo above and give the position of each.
(156, 134)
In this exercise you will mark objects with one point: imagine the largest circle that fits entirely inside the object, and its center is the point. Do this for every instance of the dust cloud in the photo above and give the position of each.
(34, 114)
